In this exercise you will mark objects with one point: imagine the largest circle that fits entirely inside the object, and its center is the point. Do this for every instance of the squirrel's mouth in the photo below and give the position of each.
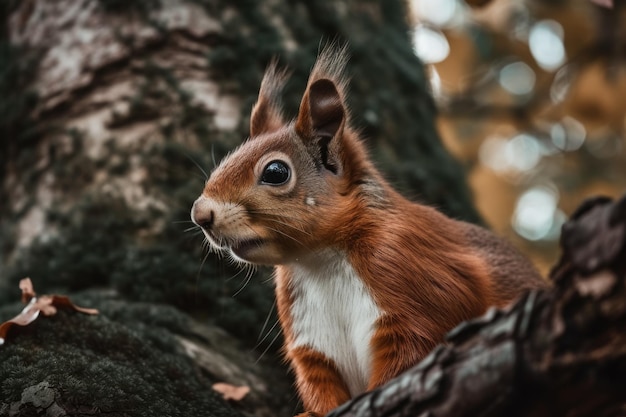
(242, 247)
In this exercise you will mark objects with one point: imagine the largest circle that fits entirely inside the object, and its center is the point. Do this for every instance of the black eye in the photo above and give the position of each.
(275, 173)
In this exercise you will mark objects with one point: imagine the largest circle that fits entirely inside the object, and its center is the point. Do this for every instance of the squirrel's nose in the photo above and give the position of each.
(202, 214)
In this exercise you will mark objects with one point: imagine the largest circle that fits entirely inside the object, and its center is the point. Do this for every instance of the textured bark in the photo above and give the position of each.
(111, 84)
(95, 102)
(554, 353)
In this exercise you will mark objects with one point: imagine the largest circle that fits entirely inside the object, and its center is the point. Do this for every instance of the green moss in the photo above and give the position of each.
(17, 129)
(158, 90)
(125, 361)
(125, 6)
(17, 68)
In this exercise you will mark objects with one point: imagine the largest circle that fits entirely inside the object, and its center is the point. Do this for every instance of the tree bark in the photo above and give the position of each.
(554, 353)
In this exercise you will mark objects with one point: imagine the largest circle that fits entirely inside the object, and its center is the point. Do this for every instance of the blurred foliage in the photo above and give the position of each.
(531, 99)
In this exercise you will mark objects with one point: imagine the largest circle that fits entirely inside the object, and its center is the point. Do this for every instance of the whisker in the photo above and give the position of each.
(249, 275)
(291, 226)
(282, 222)
(285, 234)
(269, 332)
(206, 245)
(213, 155)
(268, 347)
(204, 259)
(265, 209)
(234, 261)
(267, 319)
(206, 176)
(268, 279)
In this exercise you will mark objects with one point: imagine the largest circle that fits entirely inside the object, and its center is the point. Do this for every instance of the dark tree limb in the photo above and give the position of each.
(553, 353)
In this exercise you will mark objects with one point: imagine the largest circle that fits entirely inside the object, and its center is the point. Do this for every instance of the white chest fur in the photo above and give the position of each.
(334, 314)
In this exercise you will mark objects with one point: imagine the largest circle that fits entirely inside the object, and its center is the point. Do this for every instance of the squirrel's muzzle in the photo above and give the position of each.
(203, 214)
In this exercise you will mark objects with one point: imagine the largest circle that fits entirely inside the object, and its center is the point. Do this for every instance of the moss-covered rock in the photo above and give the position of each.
(133, 359)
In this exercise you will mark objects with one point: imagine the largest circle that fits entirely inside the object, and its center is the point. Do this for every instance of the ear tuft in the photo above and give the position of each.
(322, 110)
(266, 114)
(322, 113)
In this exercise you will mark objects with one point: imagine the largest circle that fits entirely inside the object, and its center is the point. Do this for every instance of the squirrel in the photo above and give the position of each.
(367, 282)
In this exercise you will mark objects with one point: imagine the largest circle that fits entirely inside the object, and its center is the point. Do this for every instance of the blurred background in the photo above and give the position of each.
(504, 113)
(532, 99)
(111, 110)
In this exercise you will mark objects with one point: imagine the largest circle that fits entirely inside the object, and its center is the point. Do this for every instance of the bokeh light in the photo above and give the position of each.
(517, 78)
(569, 135)
(431, 45)
(546, 44)
(513, 156)
(531, 100)
(536, 215)
(439, 13)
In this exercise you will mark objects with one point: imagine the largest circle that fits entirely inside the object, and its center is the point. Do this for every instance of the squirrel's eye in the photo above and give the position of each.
(275, 173)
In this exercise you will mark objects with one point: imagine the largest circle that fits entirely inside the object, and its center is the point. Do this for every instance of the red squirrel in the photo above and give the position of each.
(367, 282)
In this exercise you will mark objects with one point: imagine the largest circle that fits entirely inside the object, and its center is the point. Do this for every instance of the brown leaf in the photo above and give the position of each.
(63, 301)
(47, 305)
(28, 292)
(27, 316)
(44, 304)
(231, 392)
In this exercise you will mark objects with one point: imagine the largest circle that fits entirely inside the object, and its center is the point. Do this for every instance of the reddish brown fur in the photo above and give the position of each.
(319, 383)
(425, 271)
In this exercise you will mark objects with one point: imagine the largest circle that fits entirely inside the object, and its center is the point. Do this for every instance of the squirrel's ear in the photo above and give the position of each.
(321, 111)
(266, 114)
(320, 119)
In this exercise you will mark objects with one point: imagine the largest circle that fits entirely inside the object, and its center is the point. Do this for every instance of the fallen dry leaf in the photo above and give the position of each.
(47, 305)
(28, 292)
(27, 316)
(231, 392)
(63, 301)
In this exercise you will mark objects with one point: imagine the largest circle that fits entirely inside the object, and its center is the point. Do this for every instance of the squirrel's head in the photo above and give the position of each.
(284, 191)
